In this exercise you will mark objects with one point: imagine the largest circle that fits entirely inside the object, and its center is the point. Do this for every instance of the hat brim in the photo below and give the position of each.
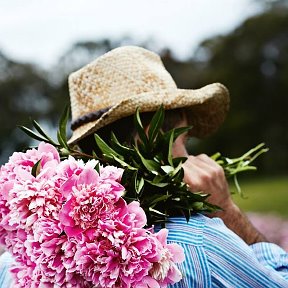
(206, 109)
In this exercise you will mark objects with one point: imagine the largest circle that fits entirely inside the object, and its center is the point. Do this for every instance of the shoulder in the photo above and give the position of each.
(189, 235)
(200, 230)
(190, 232)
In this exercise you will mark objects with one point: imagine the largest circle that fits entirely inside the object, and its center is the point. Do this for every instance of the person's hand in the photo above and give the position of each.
(202, 173)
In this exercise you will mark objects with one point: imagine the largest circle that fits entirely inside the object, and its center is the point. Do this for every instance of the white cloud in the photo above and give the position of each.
(40, 30)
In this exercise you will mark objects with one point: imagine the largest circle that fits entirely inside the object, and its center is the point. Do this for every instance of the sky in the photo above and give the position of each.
(40, 31)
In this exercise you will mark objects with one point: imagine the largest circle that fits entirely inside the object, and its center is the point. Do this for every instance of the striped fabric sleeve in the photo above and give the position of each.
(194, 269)
(272, 256)
(6, 261)
(233, 263)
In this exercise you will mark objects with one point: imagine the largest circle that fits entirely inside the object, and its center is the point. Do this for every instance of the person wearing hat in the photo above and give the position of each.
(104, 96)
(222, 250)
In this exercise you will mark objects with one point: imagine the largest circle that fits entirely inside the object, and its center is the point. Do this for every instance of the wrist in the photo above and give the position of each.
(238, 222)
(228, 209)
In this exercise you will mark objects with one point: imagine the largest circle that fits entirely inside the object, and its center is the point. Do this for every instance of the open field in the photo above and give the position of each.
(265, 195)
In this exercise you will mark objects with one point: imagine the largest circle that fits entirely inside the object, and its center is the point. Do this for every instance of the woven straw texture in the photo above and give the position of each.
(129, 77)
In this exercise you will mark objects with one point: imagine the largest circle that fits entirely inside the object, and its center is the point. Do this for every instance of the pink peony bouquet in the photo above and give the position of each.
(67, 225)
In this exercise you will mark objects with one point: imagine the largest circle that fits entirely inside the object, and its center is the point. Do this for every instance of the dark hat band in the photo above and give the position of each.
(89, 117)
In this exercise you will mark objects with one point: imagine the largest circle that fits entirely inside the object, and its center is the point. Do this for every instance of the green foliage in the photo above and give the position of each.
(43, 136)
(36, 168)
(252, 61)
(152, 176)
(236, 165)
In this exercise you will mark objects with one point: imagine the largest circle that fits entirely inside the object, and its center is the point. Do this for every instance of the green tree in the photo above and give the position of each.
(252, 62)
(24, 93)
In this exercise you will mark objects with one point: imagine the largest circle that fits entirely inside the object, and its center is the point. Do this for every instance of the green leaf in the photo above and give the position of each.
(198, 205)
(62, 141)
(119, 148)
(178, 177)
(178, 160)
(106, 149)
(180, 130)
(94, 155)
(177, 132)
(36, 168)
(160, 198)
(157, 184)
(32, 134)
(63, 124)
(169, 156)
(122, 162)
(157, 212)
(42, 132)
(140, 129)
(176, 170)
(159, 178)
(155, 124)
(97, 168)
(187, 214)
(167, 169)
(139, 185)
(150, 165)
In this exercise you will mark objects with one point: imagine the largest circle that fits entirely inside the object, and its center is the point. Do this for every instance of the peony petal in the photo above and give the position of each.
(31, 219)
(73, 231)
(149, 282)
(88, 176)
(174, 274)
(64, 217)
(140, 216)
(23, 174)
(177, 251)
(46, 148)
(66, 188)
(6, 188)
(162, 236)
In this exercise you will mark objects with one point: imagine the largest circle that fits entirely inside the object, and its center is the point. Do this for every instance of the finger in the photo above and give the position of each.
(195, 176)
(208, 160)
(208, 164)
(201, 176)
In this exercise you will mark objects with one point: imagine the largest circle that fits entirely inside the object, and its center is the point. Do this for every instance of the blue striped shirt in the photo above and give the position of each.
(6, 261)
(215, 257)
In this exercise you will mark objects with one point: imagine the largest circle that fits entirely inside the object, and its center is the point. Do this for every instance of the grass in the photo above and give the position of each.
(268, 195)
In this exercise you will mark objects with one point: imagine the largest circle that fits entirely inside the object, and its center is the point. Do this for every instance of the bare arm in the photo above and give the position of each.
(201, 173)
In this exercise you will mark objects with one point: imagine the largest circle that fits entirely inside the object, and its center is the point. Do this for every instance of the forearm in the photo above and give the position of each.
(238, 222)
(201, 173)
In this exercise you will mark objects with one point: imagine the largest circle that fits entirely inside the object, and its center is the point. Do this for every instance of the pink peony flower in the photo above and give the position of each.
(71, 166)
(22, 276)
(32, 199)
(88, 200)
(117, 259)
(18, 172)
(46, 229)
(111, 172)
(165, 270)
(69, 226)
(138, 215)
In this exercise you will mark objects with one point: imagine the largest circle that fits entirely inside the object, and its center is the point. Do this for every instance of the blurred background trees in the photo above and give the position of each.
(252, 61)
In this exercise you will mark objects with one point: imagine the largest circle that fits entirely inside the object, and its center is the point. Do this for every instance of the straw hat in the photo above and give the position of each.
(115, 84)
